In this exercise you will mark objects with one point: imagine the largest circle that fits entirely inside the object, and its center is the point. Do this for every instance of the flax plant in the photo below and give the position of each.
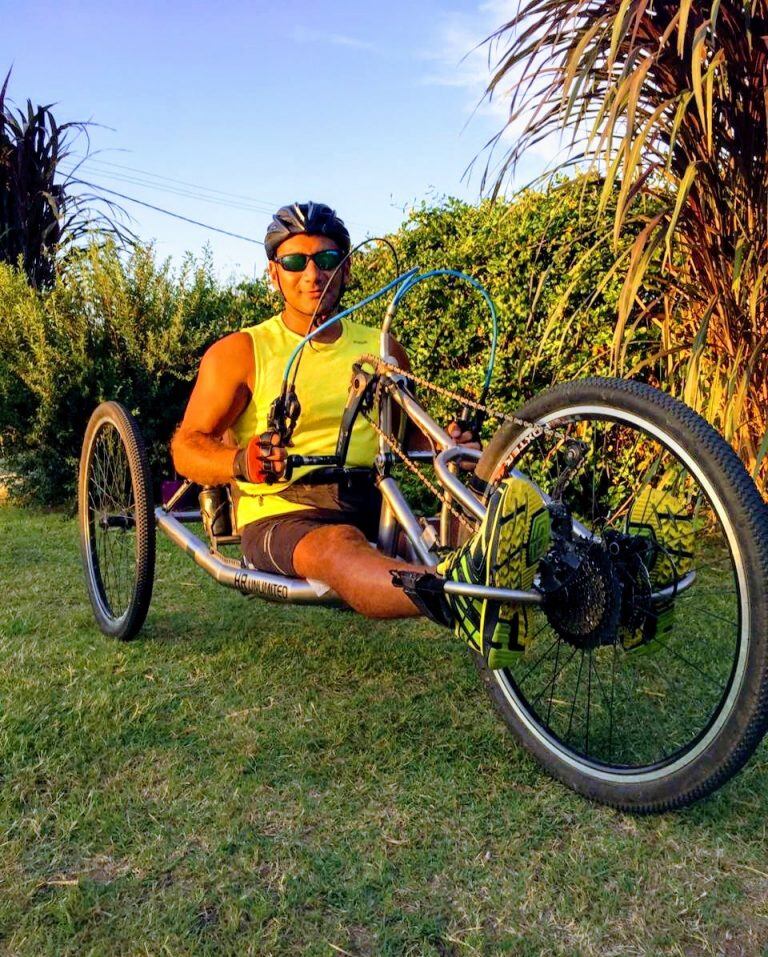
(41, 216)
(668, 101)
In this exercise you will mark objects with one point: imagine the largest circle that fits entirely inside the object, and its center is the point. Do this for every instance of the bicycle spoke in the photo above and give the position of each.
(709, 614)
(589, 701)
(542, 656)
(687, 661)
(552, 686)
(110, 496)
(600, 684)
(553, 680)
(575, 696)
(610, 710)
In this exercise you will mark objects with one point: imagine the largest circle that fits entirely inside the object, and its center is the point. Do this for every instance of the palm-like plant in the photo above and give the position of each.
(40, 217)
(667, 98)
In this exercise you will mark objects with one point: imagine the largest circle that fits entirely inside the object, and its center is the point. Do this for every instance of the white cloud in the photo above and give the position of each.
(341, 40)
(302, 35)
(462, 59)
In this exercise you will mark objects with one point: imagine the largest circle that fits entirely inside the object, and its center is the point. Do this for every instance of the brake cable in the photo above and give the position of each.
(286, 409)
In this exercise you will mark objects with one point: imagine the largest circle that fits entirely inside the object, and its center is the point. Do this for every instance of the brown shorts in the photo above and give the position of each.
(269, 543)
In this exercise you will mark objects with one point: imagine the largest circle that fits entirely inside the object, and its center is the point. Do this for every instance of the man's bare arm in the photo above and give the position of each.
(221, 393)
(415, 438)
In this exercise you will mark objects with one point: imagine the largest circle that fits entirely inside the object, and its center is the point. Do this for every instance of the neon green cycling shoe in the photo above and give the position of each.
(504, 552)
(660, 516)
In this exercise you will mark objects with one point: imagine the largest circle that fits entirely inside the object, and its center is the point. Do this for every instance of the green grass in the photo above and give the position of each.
(252, 779)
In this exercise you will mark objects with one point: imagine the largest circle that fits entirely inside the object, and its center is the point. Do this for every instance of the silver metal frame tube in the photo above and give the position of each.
(672, 591)
(423, 419)
(450, 451)
(249, 581)
(451, 483)
(395, 499)
(445, 519)
(494, 594)
(187, 515)
(385, 406)
(387, 536)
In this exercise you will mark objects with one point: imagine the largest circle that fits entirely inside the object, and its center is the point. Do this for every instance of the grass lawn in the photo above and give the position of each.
(254, 779)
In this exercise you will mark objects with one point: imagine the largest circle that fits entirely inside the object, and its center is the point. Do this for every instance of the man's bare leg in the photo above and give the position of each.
(340, 556)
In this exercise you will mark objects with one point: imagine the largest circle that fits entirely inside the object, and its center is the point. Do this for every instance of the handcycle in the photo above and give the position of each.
(643, 681)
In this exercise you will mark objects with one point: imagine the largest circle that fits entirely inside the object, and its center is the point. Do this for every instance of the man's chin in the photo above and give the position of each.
(321, 313)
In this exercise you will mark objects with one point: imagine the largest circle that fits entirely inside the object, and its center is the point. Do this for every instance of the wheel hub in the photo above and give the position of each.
(582, 593)
(123, 521)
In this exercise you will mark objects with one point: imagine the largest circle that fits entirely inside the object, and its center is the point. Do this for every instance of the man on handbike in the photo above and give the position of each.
(318, 528)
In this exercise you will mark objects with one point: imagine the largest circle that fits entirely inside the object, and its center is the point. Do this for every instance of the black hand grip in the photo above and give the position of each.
(471, 420)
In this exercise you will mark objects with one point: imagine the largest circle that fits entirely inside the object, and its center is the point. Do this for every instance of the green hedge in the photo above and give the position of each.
(110, 328)
(130, 329)
(535, 257)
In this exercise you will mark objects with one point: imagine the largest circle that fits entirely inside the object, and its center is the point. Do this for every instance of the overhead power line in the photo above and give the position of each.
(167, 212)
(136, 180)
(187, 194)
(179, 187)
(267, 205)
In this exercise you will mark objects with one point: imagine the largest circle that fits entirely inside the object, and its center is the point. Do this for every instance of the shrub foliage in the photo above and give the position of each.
(131, 330)
(538, 258)
(108, 329)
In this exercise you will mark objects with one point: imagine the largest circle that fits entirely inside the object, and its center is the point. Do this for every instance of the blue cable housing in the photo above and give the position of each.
(329, 322)
(415, 280)
(406, 281)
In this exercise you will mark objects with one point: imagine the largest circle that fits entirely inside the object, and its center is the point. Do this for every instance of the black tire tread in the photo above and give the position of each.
(751, 519)
(130, 434)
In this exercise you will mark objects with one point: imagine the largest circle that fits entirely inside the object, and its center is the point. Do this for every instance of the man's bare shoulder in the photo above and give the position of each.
(231, 356)
(398, 353)
(232, 346)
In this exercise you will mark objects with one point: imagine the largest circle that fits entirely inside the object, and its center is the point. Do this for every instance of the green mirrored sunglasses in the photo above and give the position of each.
(326, 259)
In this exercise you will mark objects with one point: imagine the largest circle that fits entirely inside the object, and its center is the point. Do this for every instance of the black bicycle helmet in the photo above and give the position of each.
(315, 219)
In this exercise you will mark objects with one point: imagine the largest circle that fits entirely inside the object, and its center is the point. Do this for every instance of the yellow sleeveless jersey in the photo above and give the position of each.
(322, 385)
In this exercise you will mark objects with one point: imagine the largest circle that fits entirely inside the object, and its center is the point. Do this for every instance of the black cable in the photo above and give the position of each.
(167, 212)
(371, 239)
(251, 202)
(173, 190)
(263, 205)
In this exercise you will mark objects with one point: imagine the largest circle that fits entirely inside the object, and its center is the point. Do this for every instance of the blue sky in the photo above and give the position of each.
(369, 107)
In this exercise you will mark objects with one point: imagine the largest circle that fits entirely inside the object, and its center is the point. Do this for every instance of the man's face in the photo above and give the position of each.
(303, 291)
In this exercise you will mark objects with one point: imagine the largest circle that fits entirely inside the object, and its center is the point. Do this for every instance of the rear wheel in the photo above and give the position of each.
(117, 522)
(643, 681)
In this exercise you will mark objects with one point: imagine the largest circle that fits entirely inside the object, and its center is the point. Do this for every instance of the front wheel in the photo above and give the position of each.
(117, 521)
(643, 679)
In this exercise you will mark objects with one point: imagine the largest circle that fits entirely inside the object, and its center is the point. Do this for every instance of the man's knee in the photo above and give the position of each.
(327, 546)
(343, 535)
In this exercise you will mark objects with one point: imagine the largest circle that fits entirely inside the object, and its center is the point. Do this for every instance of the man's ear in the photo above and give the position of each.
(272, 270)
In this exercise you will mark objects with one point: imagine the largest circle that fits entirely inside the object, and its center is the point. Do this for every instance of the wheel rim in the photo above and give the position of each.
(640, 714)
(111, 518)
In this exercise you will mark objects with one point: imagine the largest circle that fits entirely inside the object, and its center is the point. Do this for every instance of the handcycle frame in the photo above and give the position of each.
(396, 513)
(593, 581)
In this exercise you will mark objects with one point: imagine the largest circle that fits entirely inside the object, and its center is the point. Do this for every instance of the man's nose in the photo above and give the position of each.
(312, 273)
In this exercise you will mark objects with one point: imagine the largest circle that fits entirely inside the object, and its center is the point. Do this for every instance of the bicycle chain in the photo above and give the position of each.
(382, 364)
(403, 456)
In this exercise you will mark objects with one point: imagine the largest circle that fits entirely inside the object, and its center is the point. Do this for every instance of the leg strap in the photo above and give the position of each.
(426, 592)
